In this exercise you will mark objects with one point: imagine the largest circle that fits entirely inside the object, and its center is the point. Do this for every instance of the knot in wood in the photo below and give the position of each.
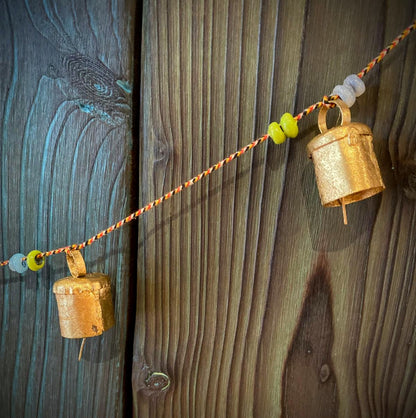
(158, 381)
(407, 178)
(94, 88)
(324, 373)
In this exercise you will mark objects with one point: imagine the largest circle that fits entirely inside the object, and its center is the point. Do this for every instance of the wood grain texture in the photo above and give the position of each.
(224, 269)
(310, 353)
(65, 175)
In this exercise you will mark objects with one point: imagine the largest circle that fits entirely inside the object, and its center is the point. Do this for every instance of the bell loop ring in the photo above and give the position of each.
(76, 263)
(345, 114)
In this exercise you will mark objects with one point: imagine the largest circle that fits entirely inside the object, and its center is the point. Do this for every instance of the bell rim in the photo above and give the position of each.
(355, 196)
(73, 335)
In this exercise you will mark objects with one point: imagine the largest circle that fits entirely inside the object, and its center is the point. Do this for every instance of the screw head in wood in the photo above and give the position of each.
(158, 381)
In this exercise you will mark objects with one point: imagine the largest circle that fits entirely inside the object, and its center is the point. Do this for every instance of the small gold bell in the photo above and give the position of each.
(85, 304)
(346, 167)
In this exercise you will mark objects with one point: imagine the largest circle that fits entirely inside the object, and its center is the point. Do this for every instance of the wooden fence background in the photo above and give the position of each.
(66, 173)
(250, 298)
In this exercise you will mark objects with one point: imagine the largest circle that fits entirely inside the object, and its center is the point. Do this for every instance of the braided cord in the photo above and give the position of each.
(325, 102)
(158, 201)
(317, 105)
(387, 49)
(363, 72)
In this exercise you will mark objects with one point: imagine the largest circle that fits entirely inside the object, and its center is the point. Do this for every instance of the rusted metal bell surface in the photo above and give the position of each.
(346, 167)
(85, 303)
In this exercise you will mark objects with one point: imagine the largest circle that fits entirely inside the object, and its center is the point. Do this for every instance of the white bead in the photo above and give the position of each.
(346, 94)
(356, 84)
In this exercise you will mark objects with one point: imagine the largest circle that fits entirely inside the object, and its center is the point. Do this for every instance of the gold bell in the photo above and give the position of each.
(85, 304)
(346, 166)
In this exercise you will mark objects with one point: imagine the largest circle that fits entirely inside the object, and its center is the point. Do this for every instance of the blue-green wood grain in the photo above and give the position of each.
(65, 164)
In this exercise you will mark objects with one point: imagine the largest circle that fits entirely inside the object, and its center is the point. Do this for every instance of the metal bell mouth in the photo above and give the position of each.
(355, 197)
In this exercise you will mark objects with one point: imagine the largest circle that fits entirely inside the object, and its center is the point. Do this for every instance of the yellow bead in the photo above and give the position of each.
(275, 132)
(289, 125)
(33, 263)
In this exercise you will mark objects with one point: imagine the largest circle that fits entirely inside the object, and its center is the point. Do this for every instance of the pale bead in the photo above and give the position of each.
(17, 264)
(346, 94)
(356, 84)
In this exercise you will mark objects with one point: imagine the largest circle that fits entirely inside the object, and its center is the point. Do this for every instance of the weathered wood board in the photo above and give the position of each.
(253, 298)
(65, 120)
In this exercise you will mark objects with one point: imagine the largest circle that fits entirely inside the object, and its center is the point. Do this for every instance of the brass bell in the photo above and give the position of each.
(85, 304)
(346, 166)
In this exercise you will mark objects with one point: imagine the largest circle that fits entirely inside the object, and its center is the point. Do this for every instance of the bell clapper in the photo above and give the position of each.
(344, 211)
(81, 348)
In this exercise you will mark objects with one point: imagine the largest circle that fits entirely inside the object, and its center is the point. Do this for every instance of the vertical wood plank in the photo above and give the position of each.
(65, 175)
(252, 298)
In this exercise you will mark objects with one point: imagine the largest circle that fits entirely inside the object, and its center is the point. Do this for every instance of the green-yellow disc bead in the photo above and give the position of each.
(275, 132)
(289, 125)
(33, 263)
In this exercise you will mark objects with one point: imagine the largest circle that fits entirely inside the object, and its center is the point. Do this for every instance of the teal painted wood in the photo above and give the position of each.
(65, 164)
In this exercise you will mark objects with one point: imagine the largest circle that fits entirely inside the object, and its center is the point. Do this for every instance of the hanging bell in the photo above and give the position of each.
(346, 166)
(85, 304)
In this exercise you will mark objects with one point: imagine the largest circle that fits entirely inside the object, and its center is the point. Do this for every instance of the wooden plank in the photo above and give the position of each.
(65, 175)
(253, 299)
